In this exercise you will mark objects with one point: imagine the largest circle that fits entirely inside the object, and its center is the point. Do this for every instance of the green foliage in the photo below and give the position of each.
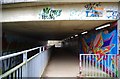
(0, 71)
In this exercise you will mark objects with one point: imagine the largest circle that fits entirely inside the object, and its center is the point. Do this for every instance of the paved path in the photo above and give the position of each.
(63, 64)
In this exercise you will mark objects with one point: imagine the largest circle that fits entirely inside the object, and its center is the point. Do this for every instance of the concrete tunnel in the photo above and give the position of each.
(21, 34)
(24, 35)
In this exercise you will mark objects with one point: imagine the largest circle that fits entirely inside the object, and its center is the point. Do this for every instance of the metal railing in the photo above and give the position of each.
(30, 67)
(96, 65)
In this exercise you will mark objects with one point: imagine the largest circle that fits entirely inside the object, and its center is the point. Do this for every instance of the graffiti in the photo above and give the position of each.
(91, 6)
(113, 14)
(94, 13)
(115, 64)
(94, 10)
(9, 63)
(74, 14)
(98, 46)
(49, 13)
(103, 43)
(105, 57)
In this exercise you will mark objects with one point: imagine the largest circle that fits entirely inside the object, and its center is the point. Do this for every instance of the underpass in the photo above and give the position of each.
(26, 31)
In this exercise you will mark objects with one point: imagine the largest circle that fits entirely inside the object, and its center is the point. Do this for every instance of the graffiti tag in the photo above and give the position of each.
(113, 14)
(49, 13)
(93, 13)
(94, 10)
(91, 6)
(9, 63)
(74, 14)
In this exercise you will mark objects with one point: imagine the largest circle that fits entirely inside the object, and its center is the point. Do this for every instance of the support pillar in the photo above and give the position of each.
(119, 40)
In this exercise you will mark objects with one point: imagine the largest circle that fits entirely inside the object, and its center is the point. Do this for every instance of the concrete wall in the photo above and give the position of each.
(103, 41)
(97, 41)
(119, 40)
(13, 42)
(15, 1)
(102, 11)
(57, 43)
(72, 45)
(119, 26)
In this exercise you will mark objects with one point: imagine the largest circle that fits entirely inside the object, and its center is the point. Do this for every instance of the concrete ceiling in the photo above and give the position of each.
(45, 30)
(51, 2)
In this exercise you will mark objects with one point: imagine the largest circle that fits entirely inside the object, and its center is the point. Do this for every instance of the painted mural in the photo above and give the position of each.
(102, 42)
(94, 10)
(49, 13)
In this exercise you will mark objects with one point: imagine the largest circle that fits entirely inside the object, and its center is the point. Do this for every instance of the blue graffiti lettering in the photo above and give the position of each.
(113, 14)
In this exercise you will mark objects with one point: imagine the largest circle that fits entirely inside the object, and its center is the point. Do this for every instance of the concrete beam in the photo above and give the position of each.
(64, 12)
(17, 1)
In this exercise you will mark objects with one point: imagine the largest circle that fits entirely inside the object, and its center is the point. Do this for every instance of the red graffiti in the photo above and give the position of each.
(114, 57)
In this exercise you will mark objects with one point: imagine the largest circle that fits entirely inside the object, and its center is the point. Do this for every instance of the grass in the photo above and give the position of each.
(0, 71)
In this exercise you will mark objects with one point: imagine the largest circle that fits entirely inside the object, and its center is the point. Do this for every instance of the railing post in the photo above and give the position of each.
(43, 48)
(80, 72)
(25, 67)
(118, 61)
(40, 50)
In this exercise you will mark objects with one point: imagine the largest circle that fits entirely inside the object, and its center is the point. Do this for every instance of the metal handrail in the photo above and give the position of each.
(12, 70)
(25, 60)
(18, 66)
(16, 54)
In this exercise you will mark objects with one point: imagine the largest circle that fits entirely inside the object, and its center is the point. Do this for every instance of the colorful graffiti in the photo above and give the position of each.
(49, 13)
(94, 10)
(111, 14)
(101, 42)
(91, 6)
(98, 46)
(116, 64)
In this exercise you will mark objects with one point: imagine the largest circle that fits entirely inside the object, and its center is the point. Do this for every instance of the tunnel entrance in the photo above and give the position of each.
(64, 61)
